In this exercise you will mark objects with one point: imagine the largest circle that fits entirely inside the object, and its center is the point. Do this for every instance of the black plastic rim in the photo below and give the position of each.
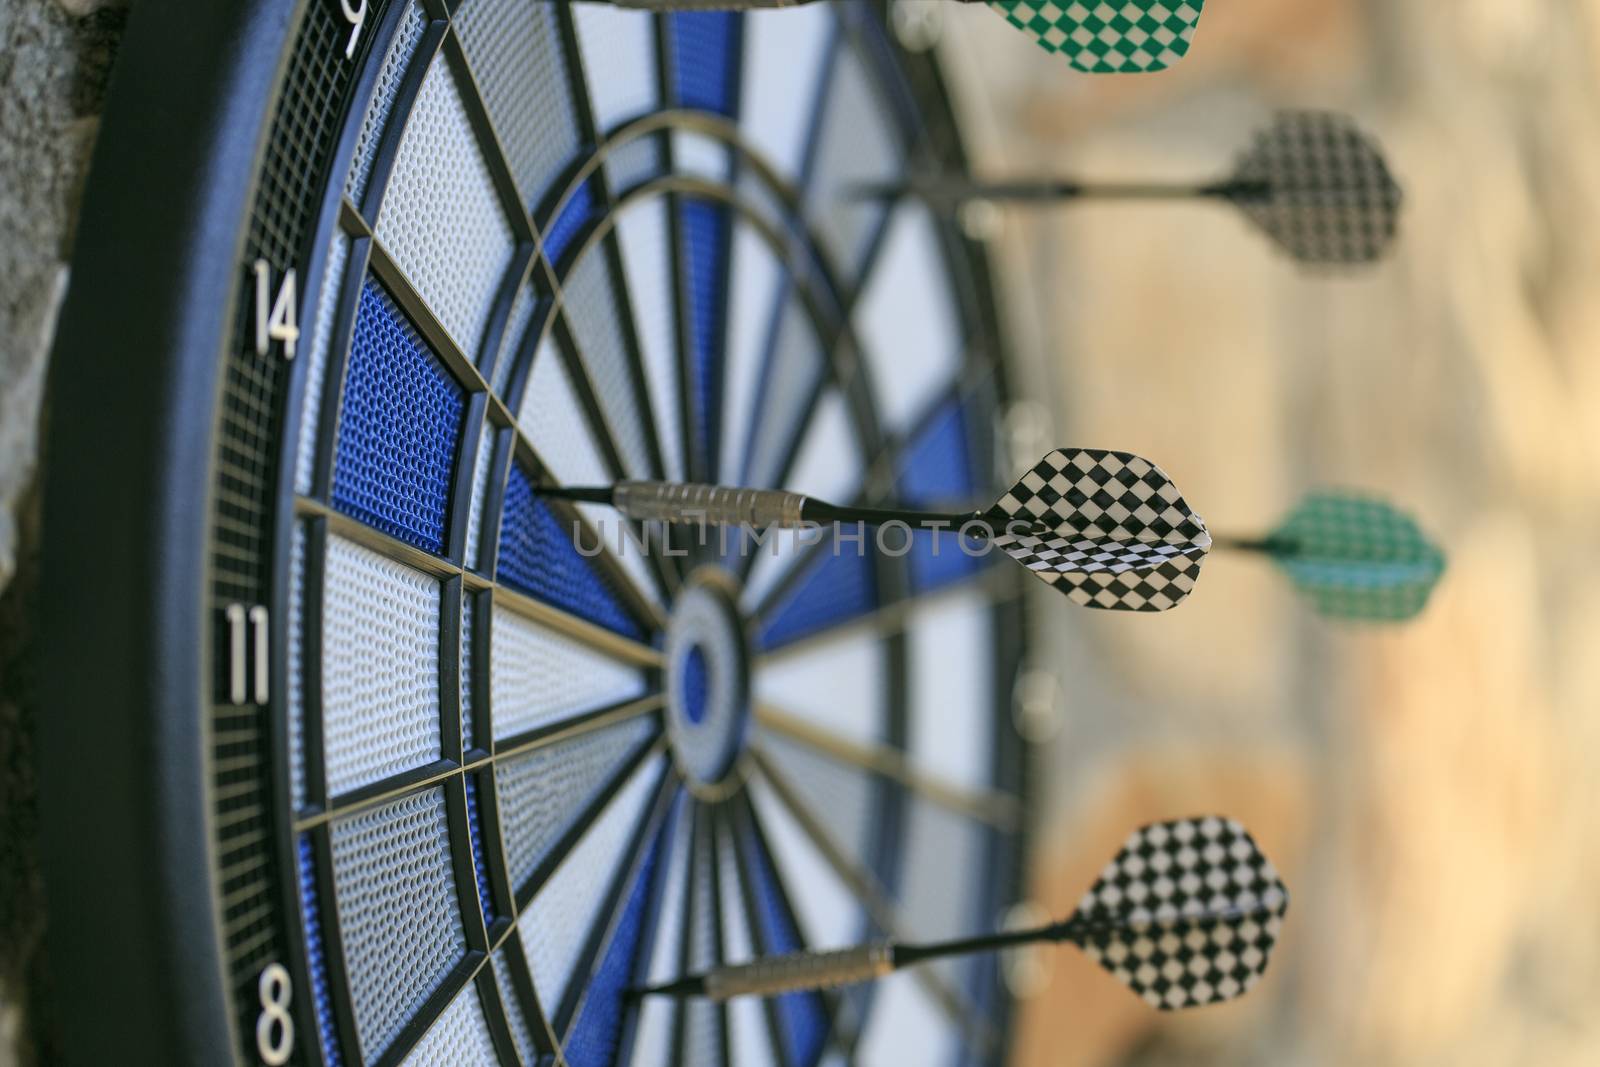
(127, 532)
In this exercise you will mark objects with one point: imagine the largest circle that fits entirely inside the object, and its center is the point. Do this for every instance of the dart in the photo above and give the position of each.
(1355, 556)
(1311, 181)
(1185, 915)
(1130, 37)
(1108, 529)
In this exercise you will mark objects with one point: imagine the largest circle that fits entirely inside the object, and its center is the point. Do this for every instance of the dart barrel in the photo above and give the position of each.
(802, 970)
(715, 505)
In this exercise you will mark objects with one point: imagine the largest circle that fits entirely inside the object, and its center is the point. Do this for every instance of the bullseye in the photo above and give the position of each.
(695, 683)
(708, 681)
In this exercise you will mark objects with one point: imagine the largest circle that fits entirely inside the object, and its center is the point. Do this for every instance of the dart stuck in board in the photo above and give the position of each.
(1185, 915)
(1096, 37)
(1311, 181)
(1108, 529)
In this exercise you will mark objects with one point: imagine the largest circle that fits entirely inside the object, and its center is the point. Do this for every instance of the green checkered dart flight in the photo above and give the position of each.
(1311, 181)
(1355, 557)
(1096, 37)
(1131, 37)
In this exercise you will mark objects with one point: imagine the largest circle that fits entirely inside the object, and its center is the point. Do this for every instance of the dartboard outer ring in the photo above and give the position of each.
(128, 529)
(150, 342)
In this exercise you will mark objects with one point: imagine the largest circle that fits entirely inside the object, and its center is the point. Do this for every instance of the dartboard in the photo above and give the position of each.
(362, 748)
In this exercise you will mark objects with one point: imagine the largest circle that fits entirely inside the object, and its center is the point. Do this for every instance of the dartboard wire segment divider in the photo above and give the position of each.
(1312, 181)
(350, 754)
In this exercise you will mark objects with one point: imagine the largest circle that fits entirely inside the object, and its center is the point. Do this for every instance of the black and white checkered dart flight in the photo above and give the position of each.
(1319, 187)
(1356, 557)
(1109, 529)
(1185, 915)
(1311, 181)
(1096, 37)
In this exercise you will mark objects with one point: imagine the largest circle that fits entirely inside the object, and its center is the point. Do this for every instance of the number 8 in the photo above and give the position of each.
(274, 990)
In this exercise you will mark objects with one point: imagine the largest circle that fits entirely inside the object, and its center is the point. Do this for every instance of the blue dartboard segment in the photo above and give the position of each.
(705, 59)
(837, 587)
(538, 557)
(571, 218)
(398, 426)
(935, 473)
(593, 1039)
(705, 233)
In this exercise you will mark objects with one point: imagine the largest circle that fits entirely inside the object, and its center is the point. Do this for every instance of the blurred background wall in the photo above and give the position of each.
(1430, 791)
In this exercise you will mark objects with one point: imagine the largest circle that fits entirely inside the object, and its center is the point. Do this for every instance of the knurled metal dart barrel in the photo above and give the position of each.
(1186, 914)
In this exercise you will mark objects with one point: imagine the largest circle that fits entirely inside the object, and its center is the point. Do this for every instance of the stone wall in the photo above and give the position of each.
(54, 62)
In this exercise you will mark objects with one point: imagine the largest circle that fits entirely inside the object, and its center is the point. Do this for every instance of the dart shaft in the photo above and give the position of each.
(1244, 544)
(799, 971)
(1077, 929)
(821, 511)
(906, 955)
(1051, 190)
